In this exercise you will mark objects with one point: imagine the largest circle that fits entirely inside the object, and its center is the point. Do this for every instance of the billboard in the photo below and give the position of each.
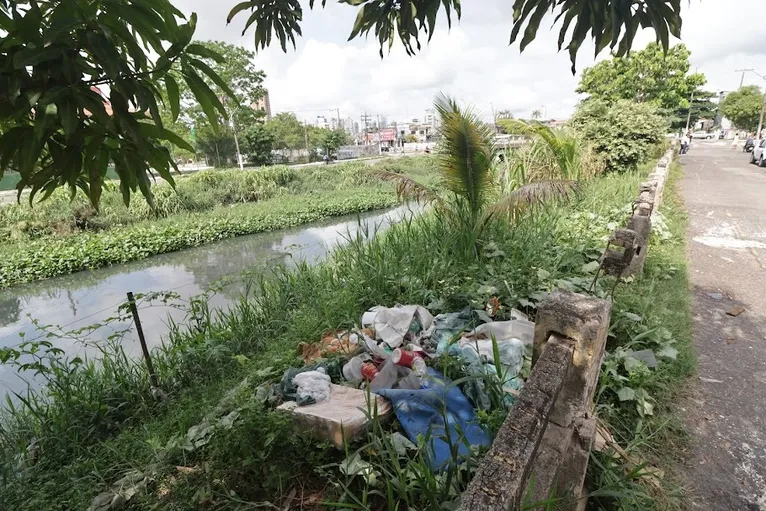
(388, 134)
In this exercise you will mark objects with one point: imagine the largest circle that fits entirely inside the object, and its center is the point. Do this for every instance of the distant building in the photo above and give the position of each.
(264, 105)
(431, 118)
(322, 122)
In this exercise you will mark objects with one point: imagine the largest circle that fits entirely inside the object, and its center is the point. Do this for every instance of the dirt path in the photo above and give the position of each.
(726, 199)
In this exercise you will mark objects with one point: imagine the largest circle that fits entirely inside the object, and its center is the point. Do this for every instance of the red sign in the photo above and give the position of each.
(388, 134)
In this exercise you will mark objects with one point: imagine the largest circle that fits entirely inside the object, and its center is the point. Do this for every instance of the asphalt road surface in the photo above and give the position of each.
(726, 413)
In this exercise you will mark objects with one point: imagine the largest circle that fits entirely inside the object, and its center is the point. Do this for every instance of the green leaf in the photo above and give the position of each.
(626, 394)
(213, 76)
(590, 267)
(174, 97)
(33, 56)
(668, 352)
(239, 8)
(205, 96)
(202, 51)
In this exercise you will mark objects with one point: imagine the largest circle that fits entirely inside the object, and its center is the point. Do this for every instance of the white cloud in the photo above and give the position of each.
(472, 61)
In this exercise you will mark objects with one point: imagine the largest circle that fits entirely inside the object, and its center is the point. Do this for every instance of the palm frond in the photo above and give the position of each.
(467, 152)
(407, 188)
(530, 195)
(564, 148)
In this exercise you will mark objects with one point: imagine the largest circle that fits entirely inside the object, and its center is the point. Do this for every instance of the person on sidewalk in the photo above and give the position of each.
(685, 141)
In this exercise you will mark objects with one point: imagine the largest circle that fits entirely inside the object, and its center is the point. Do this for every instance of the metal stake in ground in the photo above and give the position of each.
(147, 358)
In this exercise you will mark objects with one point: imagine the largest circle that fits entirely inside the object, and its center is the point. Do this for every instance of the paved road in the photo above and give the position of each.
(726, 199)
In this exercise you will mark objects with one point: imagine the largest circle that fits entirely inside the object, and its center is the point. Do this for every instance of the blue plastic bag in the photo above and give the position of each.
(423, 412)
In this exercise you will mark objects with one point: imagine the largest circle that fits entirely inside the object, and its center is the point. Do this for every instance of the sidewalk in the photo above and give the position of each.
(726, 413)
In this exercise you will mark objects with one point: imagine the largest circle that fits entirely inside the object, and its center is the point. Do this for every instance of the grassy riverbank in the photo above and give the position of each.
(59, 236)
(102, 425)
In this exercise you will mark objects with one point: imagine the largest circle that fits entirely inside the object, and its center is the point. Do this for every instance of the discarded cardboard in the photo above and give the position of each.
(735, 311)
(341, 418)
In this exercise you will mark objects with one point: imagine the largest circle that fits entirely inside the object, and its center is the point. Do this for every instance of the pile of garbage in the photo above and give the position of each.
(396, 354)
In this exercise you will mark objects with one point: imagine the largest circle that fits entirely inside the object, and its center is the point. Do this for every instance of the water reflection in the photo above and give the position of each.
(90, 297)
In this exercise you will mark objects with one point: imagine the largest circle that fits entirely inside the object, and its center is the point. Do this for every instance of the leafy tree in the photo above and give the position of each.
(701, 108)
(410, 138)
(288, 132)
(504, 114)
(59, 58)
(646, 76)
(743, 107)
(612, 23)
(331, 140)
(537, 114)
(217, 145)
(623, 131)
(257, 141)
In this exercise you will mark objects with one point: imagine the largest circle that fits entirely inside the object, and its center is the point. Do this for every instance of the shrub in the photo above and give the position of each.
(623, 132)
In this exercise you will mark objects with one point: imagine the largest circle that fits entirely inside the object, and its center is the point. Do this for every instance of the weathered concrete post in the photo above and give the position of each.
(547, 436)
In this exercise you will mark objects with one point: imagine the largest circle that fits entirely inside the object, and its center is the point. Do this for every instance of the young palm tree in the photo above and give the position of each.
(537, 114)
(466, 162)
(550, 153)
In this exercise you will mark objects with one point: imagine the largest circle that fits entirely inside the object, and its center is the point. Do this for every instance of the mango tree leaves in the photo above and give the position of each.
(612, 23)
(606, 20)
(82, 84)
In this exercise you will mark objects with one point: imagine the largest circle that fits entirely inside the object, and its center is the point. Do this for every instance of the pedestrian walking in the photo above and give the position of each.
(685, 141)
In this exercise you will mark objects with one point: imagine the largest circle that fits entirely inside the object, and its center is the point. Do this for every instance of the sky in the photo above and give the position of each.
(472, 61)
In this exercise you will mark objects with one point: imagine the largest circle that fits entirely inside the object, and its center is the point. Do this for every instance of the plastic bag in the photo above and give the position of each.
(312, 386)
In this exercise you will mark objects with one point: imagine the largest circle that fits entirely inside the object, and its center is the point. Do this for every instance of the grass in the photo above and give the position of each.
(662, 300)
(98, 425)
(59, 236)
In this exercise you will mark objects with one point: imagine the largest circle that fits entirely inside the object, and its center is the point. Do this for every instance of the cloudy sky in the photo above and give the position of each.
(472, 61)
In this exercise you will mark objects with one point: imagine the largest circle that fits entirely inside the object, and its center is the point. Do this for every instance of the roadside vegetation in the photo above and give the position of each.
(494, 234)
(59, 236)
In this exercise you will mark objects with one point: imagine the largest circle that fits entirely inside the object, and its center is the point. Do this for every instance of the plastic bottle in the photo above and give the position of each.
(352, 370)
(419, 366)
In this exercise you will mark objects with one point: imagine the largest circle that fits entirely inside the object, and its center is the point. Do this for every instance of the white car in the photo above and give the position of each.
(758, 156)
(702, 134)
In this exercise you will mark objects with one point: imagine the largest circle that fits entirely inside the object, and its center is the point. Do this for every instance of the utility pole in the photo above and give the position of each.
(494, 117)
(743, 71)
(306, 139)
(380, 144)
(337, 111)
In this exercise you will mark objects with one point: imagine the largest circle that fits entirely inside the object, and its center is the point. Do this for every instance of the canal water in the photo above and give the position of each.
(87, 298)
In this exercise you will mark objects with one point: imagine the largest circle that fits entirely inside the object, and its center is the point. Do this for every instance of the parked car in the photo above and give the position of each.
(702, 134)
(749, 145)
(757, 156)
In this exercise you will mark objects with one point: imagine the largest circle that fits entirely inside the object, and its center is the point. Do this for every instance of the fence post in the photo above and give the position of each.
(147, 358)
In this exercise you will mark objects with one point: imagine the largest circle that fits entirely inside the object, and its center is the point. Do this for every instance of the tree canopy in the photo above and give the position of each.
(647, 76)
(743, 107)
(612, 23)
(623, 131)
(83, 81)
